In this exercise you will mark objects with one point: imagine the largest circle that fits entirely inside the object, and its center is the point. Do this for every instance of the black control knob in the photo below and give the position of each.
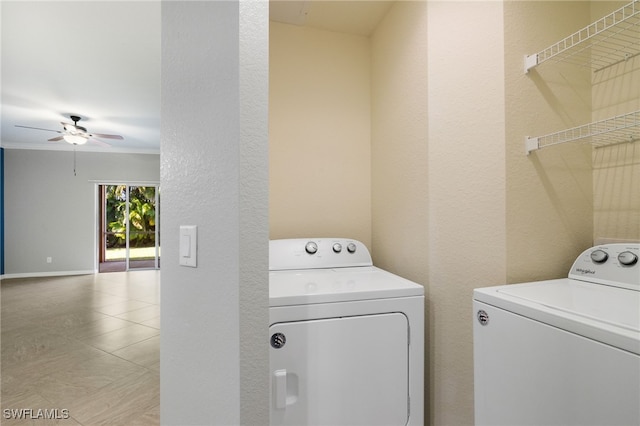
(627, 258)
(351, 248)
(599, 256)
(311, 247)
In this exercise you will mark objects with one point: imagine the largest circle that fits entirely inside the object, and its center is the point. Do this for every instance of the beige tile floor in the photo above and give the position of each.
(87, 346)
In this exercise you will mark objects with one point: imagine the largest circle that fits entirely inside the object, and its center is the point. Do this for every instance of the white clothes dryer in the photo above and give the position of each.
(562, 352)
(346, 338)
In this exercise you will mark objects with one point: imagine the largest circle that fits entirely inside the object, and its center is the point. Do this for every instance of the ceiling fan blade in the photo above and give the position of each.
(76, 131)
(97, 142)
(98, 135)
(38, 128)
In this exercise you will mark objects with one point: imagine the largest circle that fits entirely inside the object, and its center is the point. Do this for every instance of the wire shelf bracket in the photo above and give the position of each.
(611, 131)
(612, 39)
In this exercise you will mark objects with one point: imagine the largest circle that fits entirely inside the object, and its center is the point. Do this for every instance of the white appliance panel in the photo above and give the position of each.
(615, 306)
(611, 264)
(311, 286)
(530, 373)
(565, 351)
(341, 371)
(358, 337)
(600, 312)
(317, 253)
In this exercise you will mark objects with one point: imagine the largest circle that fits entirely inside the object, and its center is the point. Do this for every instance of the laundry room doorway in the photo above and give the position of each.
(129, 231)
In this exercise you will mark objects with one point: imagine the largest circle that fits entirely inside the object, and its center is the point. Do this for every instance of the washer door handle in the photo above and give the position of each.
(280, 389)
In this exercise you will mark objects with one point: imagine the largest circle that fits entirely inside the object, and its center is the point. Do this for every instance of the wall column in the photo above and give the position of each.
(214, 360)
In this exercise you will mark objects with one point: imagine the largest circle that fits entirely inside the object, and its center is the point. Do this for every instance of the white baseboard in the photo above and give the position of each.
(46, 274)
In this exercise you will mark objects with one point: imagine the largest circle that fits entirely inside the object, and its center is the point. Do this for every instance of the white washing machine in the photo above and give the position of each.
(565, 351)
(347, 338)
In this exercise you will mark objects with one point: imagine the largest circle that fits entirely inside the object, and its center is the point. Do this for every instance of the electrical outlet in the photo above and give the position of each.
(49, 260)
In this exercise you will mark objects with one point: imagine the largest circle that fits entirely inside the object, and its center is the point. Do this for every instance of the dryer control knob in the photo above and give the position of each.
(627, 258)
(311, 247)
(351, 248)
(337, 248)
(599, 256)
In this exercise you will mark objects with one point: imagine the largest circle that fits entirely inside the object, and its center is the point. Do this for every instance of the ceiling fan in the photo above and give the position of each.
(74, 134)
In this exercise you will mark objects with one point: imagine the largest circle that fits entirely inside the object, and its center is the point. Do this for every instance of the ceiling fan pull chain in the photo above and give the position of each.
(74, 160)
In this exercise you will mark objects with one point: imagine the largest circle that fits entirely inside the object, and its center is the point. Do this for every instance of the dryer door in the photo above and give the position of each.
(340, 371)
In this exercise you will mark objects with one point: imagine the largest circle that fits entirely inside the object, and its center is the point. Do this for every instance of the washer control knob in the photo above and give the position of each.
(337, 248)
(311, 247)
(627, 258)
(599, 256)
(351, 248)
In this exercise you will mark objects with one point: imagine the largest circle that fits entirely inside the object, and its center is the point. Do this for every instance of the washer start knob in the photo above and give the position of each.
(351, 248)
(627, 258)
(337, 248)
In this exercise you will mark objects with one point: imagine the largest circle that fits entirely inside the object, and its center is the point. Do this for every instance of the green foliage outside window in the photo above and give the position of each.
(142, 216)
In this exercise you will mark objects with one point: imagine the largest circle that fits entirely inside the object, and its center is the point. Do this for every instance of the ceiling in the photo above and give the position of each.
(97, 60)
(354, 17)
(101, 61)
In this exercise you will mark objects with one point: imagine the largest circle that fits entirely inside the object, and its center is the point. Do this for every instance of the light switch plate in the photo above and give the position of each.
(189, 245)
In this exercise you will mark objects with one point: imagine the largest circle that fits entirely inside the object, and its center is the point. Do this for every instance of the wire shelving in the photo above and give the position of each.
(610, 40)
(611, 131)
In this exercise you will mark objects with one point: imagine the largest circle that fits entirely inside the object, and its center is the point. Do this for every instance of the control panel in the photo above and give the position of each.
(612, 264)
(317, 253)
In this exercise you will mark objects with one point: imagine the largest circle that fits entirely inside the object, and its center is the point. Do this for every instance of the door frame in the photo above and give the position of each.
(99, 243)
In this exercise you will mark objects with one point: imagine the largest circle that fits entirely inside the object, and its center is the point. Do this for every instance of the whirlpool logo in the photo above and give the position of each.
(585, 271)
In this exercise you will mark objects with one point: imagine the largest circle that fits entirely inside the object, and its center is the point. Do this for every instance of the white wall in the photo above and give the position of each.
(49, 212)
(466, 182)
(616, 178)
(438, 167)
(399, 124)
(319, 134)
(214, 358)
(549, 193)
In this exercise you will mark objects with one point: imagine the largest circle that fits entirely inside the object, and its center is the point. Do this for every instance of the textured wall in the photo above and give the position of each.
(466, 181)
(399, 141)
(438, 175)
(549, 193)
(399, 162)
(319, 134)
(254, 215)
(49, 212)
(213, 174)
(616, 168)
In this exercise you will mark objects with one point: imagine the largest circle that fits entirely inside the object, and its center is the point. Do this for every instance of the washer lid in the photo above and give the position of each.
(311, 286)
(607, 314)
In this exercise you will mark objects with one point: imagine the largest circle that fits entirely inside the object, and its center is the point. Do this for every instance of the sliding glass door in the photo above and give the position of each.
(129, 229)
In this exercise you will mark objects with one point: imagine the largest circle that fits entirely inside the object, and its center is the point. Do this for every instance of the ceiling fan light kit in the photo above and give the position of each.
(75, 139)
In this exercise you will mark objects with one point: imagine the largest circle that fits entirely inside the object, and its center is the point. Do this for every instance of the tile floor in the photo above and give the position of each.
(87, 346)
